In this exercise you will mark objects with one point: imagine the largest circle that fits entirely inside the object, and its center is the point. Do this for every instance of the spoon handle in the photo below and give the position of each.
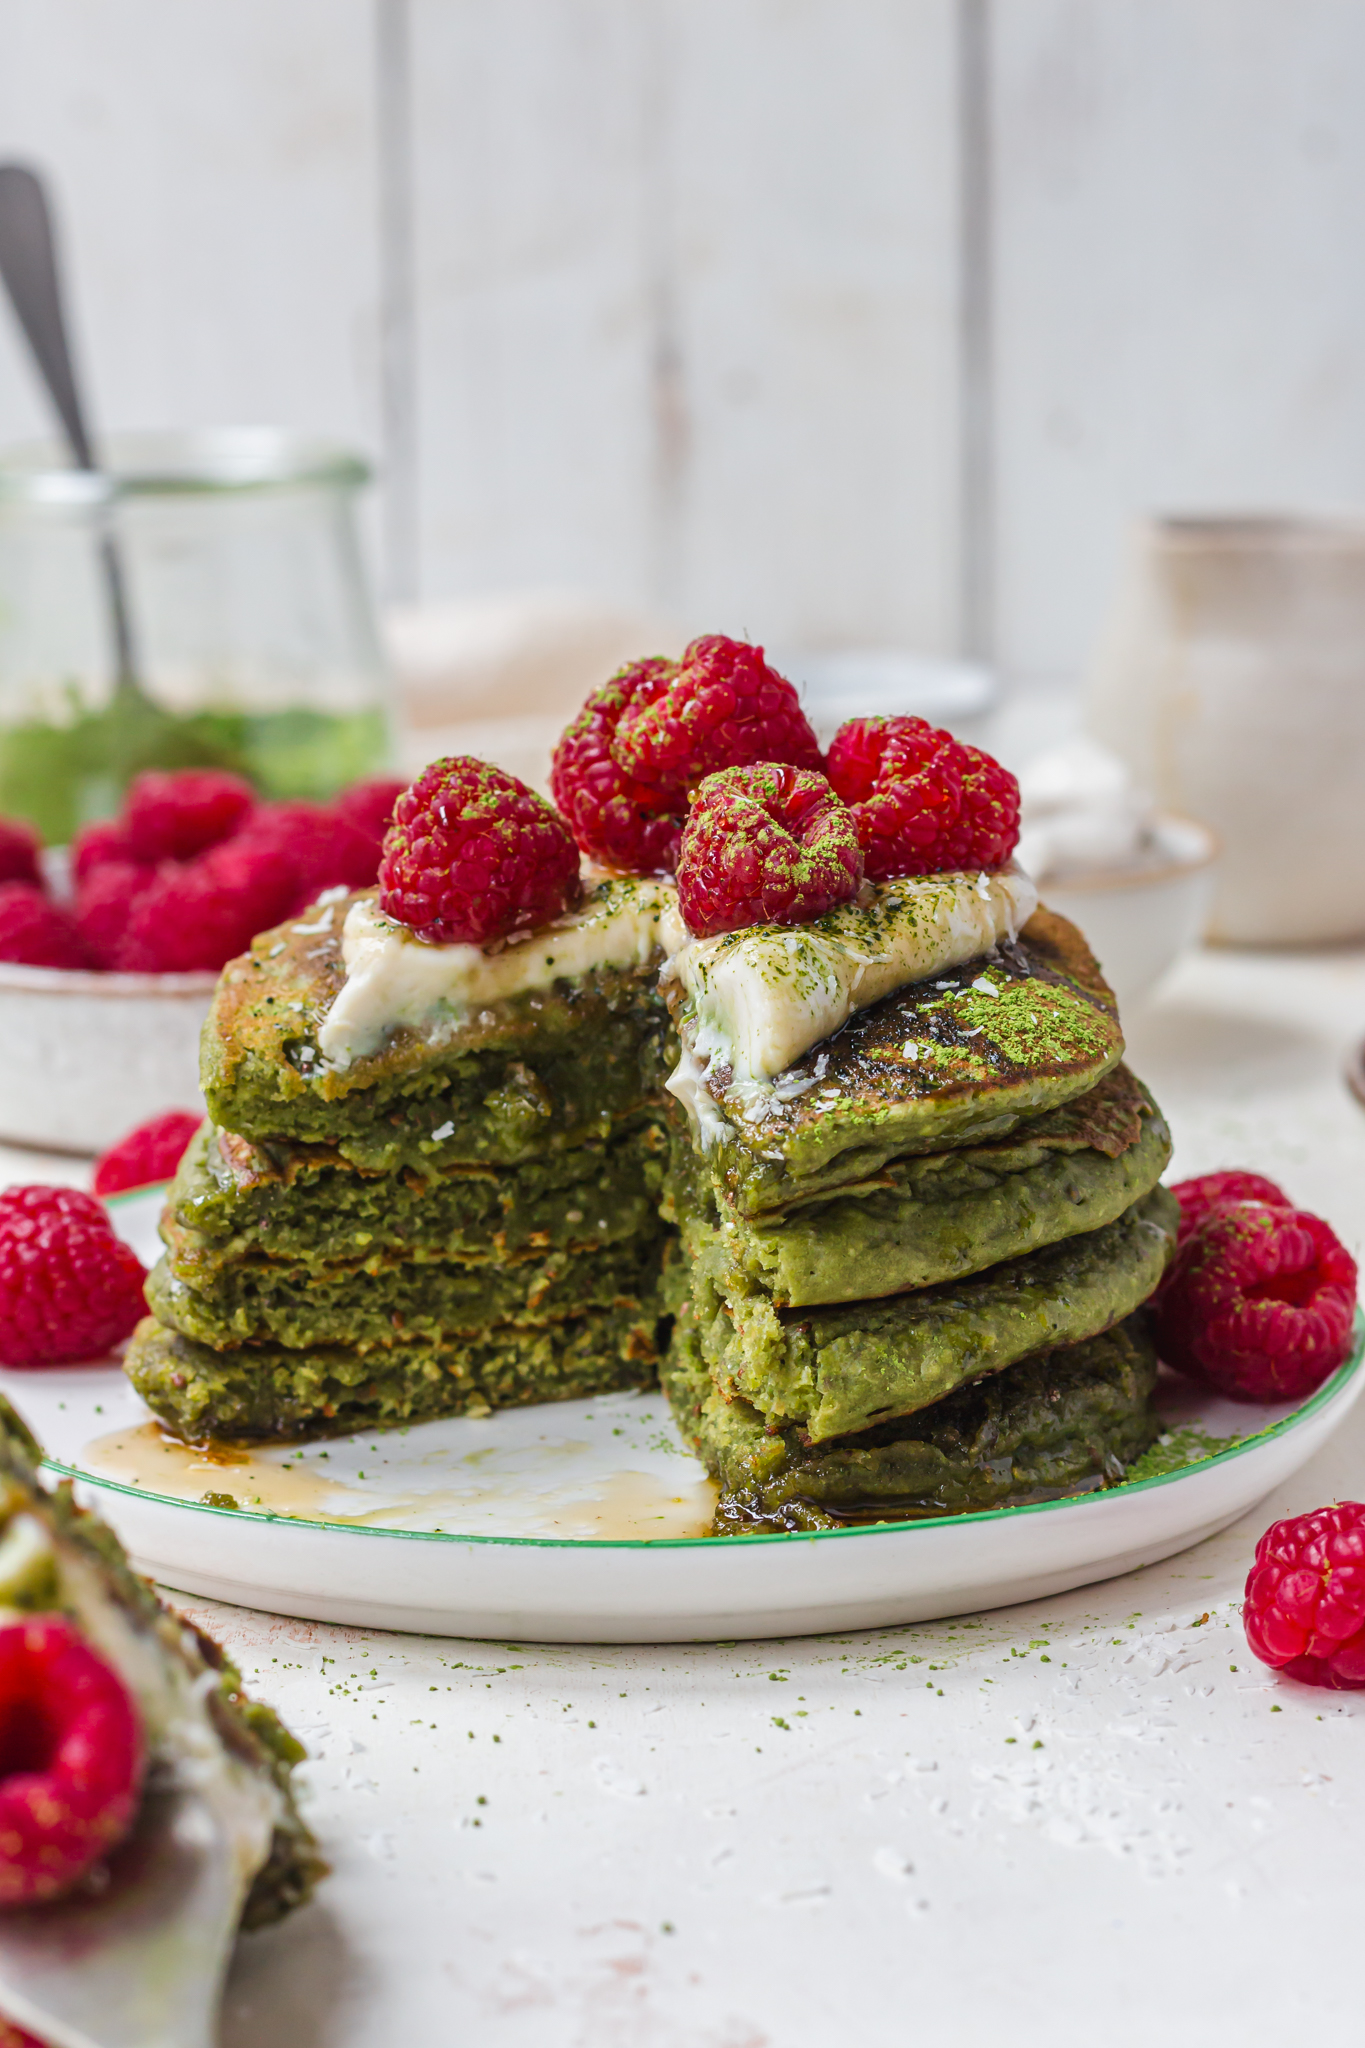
(28, 264)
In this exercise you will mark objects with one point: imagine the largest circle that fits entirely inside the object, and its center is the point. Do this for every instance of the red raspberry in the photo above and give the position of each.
(35, 931)
(148, 1154)
(69, 1289)
(1305, 1597)
(1260, 1303)
(725, 708)
(766, 844)
(105, 900)
(193, 917)
(925, 804)
(71, 1759)
(175, 816)
(473, 854)
(314, 848)
(100, 844)
(15, 2037)
(1209, 1191)
(19, 848)
(369, 807)
(623, 821)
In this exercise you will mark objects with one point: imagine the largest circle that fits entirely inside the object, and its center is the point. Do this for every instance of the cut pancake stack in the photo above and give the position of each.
(910, 1272)
(901, 1274)
(463, 1218)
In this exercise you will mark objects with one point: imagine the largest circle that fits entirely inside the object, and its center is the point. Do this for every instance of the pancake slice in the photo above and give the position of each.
(1063, 1423)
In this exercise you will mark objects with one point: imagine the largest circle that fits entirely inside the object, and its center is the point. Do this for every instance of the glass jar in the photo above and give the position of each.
(251, 639)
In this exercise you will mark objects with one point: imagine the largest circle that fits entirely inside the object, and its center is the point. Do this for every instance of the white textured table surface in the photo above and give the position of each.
(1095, 1818)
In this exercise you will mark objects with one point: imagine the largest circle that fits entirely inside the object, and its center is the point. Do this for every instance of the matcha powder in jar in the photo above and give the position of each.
(251, 623)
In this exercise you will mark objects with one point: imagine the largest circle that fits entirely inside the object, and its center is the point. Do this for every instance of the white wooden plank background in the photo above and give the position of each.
(685, 289)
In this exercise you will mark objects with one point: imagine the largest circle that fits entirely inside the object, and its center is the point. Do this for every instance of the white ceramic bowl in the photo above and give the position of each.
(84, 1056)
(1139, 921)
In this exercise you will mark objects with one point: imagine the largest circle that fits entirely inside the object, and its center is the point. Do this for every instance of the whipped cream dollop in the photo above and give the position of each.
(394, 978)
(749, 1003)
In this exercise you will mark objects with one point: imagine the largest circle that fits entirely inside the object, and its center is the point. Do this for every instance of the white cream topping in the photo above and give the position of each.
(395, 978)
(753, 1001)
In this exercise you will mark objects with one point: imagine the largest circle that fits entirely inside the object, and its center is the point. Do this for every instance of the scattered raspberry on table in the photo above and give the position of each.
(1304, 1612)
(148, 1154)
(473, 854)
(1199, 1197)
(72, 1757)
(766, 844)
(924, 803)
(1259, 1302)
(69, 1288)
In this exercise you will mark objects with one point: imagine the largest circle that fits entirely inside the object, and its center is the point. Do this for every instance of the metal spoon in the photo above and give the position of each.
(28, 264)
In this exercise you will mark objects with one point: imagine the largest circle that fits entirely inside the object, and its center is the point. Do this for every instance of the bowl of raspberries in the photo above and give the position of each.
(109, 949)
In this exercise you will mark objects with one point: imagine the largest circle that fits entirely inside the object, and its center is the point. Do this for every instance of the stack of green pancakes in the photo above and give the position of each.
(910, 1276)
(465, 1219)
(904, 1276)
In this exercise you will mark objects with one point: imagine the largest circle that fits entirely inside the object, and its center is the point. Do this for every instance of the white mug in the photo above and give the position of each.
(1231, 679)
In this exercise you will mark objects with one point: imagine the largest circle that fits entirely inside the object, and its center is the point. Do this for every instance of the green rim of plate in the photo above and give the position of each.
(1326, 1393)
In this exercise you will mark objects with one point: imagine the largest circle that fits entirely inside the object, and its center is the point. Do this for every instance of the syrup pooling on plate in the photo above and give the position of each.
(611, 1478)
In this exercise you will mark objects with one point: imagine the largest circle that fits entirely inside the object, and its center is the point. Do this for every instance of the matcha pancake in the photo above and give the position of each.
(257, 1392)
(234, 1200)
(940, 1215)
(850, 1366)
(512, 1079)
(961, 1058)
(385, 1299)
(1062, 1423)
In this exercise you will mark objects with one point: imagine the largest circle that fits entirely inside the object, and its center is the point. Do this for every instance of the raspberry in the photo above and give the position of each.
(19, 847)
(100, 844)
(314, 847)
(15, 2037)
(148, 1154)
(724, 708)
(1305, 1597)
(924, 803)
(369, 807)
(191, 918)
(69, 1289)
(35, 931)
(1199, 1197)
(175, 816)
(105, 900)
(1260, 1303)
(621, 820)
(767, 844)
(71, 1759)
(473, 854)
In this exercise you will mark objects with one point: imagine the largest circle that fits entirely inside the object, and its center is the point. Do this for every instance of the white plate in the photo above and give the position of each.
(580, 1521)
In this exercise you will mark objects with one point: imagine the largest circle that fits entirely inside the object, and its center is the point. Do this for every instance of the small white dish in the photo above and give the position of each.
(1139, 920)
(86, 1056)
(580, 1521)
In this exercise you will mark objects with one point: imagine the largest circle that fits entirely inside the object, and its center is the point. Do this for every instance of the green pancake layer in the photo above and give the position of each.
(386, 1300)
(935, 1217)
(535, 1074)
(833, 1370)
(232, 1200)
(1063, 1423)
(258, 1392)
(965, 1057)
